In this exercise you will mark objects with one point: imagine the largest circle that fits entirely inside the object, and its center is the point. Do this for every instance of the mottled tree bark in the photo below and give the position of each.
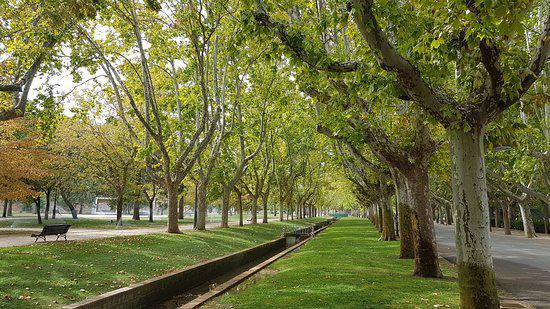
(173, 226)
(425, 248)
(404, 218)
(226, 196)
(240, 206)
(475, 264)
(201, 205)
(388, 232)
(254, 210)
(527, 218)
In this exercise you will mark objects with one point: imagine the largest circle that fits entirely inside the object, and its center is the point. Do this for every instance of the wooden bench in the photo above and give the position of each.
(52, 230)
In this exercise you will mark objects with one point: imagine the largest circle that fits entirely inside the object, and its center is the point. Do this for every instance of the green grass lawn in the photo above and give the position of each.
(99, 223)
(344, 267)
(87, 223)
(57, 273)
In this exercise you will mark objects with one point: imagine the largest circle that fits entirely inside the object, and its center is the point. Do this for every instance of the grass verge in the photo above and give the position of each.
(104, 223)
(344, 267)
(58, 273)
(87, 223)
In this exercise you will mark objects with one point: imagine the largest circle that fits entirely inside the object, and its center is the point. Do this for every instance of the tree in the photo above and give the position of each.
(106, 153)
(481, 98)
(154, 117)
(23, 160)
(29, 36)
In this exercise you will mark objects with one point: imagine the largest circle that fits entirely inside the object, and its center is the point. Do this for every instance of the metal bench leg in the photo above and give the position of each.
(57, 237)
(35, 238)
(65, 237)
(45, 239)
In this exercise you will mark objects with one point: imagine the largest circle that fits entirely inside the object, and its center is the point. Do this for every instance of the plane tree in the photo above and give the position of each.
(464, 75)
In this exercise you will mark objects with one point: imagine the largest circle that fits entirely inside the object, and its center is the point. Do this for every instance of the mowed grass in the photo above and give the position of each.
(344, 267)
(57, 273)
(88, 223)
(108, 223)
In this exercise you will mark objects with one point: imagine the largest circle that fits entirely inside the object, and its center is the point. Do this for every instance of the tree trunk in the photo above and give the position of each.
(264, 204)
(37, 203)
(506, 218)
(378, 218)
(497, 217)
(281, 211)
(226, 197)
(240, 207)
(172, 191)
(119, 205)
(135, 215)
(201, 206)
(425, 248)
(527, 218)
(69, 204)
(151, 202)
(5, 212)
(254, 210)
(47, 209)
(404, 218)
(181, 206)
(448, 215)
(476, 276)
(55, 197)
(10, 213)
(545, 211)
(388, 232)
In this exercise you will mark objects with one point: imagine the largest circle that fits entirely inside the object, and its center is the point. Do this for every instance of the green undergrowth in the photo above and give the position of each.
(57, 273)
(344, 267)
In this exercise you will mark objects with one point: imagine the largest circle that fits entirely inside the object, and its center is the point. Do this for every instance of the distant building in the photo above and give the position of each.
(102, 206)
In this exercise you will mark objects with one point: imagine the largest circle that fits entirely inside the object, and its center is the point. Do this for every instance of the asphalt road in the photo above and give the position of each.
(522, 265)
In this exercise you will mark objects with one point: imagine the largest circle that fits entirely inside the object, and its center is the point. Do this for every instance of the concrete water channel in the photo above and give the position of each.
(194, 285)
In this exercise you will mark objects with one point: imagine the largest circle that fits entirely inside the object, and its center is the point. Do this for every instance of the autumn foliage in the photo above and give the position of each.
(23, 160)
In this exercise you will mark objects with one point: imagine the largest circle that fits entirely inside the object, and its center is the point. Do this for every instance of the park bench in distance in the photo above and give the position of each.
(52, 230)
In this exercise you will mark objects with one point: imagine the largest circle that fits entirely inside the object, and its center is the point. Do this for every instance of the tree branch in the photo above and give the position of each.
(390, 60)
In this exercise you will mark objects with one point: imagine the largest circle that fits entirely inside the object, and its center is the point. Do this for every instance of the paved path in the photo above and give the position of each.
(10, 237)
(522, 265)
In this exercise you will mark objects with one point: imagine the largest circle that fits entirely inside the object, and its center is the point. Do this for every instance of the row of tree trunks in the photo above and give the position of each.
(388, 231)
(7, 211)
(404, 217)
